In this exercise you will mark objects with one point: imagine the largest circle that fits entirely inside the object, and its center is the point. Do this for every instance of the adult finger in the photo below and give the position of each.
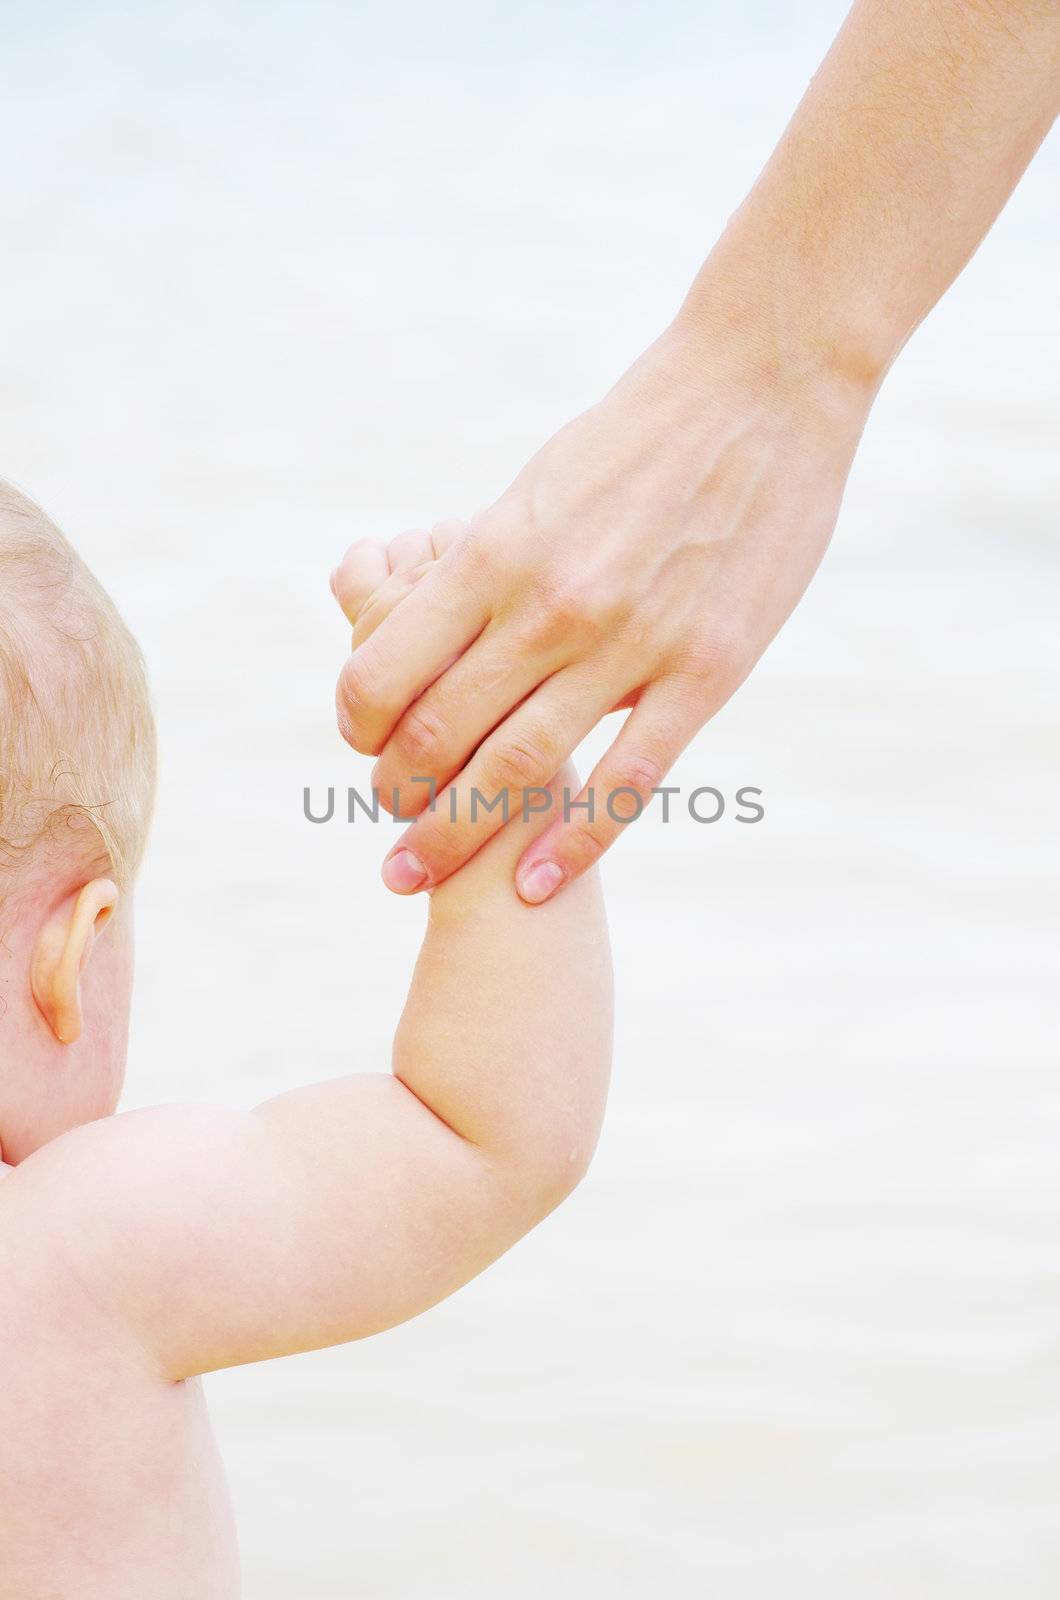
(504, 777)
(442, 729)
(619, 788)
(434, 623)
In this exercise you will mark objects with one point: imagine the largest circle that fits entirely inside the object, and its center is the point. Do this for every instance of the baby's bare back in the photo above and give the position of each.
(111, 1487)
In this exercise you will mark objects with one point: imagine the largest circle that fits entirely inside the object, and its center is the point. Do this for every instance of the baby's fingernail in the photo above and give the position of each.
(539, 881)
(404, 872)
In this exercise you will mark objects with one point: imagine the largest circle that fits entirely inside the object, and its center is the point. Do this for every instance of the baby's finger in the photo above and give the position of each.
(379, 605)
(410, 549)
(359, 574)
(445, 534)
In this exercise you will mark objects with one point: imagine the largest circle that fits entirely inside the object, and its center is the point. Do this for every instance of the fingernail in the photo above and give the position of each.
(539, 881)
(404, 872)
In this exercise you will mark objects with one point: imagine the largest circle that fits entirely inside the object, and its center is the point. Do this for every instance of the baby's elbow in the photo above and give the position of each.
(555, 1168)
(560, 1149)
(549, 1146)
(568, 1174)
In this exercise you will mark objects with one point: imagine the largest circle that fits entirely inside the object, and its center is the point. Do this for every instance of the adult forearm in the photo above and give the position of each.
(906, 145)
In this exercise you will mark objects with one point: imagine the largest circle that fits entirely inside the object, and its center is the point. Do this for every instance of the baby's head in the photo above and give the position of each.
(77, 772)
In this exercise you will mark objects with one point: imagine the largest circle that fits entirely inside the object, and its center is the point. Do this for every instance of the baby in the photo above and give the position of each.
(139, 1251)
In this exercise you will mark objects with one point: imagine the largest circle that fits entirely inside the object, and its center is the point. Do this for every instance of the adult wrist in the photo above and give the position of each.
(797, 331)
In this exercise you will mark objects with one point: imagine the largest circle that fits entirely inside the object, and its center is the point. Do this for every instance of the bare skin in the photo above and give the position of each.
(140, 1251)
(646, 557)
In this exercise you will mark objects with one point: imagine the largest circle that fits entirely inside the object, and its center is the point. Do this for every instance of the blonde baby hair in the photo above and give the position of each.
(77, 737)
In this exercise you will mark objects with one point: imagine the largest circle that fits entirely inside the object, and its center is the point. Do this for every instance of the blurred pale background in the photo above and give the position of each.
(279, 274)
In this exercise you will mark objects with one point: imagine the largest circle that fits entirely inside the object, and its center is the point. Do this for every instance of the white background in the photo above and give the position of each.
(278, 275)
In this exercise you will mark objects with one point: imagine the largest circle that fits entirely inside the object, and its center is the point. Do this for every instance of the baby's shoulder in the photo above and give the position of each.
(55, 1324)
(88, 1426)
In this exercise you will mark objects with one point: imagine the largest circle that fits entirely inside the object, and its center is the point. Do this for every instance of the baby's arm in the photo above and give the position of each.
(338, 1210)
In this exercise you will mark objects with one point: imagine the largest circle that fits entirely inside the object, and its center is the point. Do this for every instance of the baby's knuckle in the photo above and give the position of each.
(368, 545)
(369, 616)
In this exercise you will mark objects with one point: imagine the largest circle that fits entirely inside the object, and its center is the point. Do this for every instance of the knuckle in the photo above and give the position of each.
(564, 607)
(518, 761)
(369, 545)
(499, 523)
(389, 797)
(414, 545)
(403, 801)
(353, 684)
(449, 531)
(583, 846)
(574, 601)
(637, 772)
(354, 698)
(370, 615)
(482, 546)
(421, 734)
(496, 546)
(720, 653)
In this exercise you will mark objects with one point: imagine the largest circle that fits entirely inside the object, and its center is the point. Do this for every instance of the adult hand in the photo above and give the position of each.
(644, 558)
(649, 553)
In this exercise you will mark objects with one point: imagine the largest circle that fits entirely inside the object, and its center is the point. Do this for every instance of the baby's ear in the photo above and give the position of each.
(61, 953)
